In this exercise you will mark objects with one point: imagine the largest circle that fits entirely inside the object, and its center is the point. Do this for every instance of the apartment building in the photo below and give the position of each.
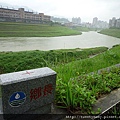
(21, 15)
(99, 24)
(114, 22)
(118, 23)
(76, 21)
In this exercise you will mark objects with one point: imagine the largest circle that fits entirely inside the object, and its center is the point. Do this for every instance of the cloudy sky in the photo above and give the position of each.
(85, 9)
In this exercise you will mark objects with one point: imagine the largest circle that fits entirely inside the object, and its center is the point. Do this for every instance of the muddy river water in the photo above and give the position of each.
(86, 40)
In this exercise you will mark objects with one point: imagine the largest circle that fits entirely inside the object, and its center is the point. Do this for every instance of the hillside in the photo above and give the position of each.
(111, 32)
(8, 29)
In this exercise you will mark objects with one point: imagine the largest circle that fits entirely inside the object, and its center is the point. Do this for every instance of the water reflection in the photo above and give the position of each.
(86, 40)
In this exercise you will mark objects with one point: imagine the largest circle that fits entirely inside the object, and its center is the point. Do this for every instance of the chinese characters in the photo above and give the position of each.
(37, 92)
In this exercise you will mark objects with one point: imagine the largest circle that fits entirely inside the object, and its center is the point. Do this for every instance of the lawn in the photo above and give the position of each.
(111, 32)
(8, 29)
(18, 61)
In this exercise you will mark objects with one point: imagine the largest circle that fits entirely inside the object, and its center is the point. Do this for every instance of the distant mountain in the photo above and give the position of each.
(60, 20)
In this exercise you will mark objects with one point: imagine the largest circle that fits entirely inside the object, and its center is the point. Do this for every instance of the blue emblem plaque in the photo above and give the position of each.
(17, 99)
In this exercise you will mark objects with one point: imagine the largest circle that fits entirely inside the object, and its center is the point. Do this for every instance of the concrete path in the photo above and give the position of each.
(108, 101)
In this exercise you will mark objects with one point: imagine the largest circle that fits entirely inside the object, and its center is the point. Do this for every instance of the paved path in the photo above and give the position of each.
(108, 101)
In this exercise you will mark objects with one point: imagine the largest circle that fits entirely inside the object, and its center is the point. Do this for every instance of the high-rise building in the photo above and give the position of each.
(99, 24)
(114, 22)
(118, 23)
(95, 20)
(76, 21)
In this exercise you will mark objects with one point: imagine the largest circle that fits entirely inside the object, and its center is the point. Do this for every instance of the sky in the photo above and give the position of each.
(85, 9)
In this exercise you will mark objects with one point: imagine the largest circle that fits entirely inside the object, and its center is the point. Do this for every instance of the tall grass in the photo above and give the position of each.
(84, 66)
(80, 94)
(71, 93)
(18, 61)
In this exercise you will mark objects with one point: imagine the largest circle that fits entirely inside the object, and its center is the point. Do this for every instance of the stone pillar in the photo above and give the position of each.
(28, 92)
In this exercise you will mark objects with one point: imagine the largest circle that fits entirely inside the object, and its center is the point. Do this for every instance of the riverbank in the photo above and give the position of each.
(8, 29)
(111, 32)
(79, 94)
(18, 61)
(82, 29)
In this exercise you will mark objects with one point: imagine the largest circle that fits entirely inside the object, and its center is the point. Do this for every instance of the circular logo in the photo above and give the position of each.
(17, 99)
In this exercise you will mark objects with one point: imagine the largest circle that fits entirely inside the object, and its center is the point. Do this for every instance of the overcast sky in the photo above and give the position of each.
(85, 9)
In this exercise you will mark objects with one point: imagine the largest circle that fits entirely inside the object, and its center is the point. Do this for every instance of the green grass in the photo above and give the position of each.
(72, 92)
(111, 32)
(82, 29)
(8, 29)
(17, 61)
(80, 93)
(84, 66)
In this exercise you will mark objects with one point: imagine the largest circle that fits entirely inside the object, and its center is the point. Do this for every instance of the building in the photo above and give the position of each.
(99, 24)
(95, 21)
(21, 15)
(70, 24)
(114, 22)
(86, 24)
(76, 21)
(118, 23)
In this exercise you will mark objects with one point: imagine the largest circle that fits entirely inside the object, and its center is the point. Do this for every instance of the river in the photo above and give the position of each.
(86, 40)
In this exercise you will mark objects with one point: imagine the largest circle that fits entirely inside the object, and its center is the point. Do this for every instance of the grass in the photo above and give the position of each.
(111, 32)
(77, 94)
(82, 29)
(80, 94)
(8, 29)
(78, 67)
(18, 61)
